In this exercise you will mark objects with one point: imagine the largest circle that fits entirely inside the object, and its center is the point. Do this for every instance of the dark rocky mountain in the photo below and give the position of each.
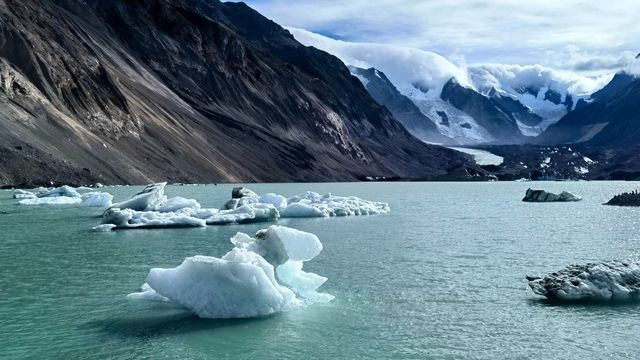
(515, 108)
(490, 113)
(123, 91)
(620, 81)
(402, 108)
(610, 120)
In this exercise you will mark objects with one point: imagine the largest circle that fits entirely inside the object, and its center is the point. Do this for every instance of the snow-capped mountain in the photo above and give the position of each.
(531, 96)
(608, 119)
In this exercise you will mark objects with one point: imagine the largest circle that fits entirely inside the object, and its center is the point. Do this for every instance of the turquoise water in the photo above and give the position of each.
(441, 276)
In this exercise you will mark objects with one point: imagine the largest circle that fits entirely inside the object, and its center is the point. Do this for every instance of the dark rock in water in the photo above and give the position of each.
(605, 281)
(544, 196)
(240, 192)
(625, 199)
(241, 196)
(465, 125)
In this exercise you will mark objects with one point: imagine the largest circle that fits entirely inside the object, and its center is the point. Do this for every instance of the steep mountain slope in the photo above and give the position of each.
(402, 108)
(489, 115)
(185, 90)
(610, 120)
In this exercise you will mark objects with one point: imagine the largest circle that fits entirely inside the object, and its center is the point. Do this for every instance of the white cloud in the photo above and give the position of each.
(407, 67)
(505, 31)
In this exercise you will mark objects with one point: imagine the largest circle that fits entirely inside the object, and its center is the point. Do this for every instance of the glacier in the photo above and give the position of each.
(600, 282)
(259, 276)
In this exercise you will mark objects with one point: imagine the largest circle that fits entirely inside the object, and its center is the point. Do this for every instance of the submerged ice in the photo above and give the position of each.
(605, 281)
(261, 275)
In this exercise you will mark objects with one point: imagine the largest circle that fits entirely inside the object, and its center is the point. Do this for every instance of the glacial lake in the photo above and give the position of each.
(440, 277)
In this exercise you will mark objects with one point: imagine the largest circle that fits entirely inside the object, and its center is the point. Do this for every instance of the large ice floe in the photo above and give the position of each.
(309, 204)
(261, 275)
(598, 282)
(544, 196)
(63, 195)
(151, 208)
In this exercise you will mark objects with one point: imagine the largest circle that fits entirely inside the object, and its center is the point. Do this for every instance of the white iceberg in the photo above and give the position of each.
(148, 199)
(151, 208)
(131, 219)
(62, 191)
(177, 203)
(147, 293)
(97, 199)
(23, 194)
(259, 276)
(308, 204)
(606, 281)
(103, 227)
(544, 196)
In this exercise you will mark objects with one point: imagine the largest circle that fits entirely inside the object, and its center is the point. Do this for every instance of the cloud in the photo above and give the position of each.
(523, 32)
(410, 68)
(406, 67)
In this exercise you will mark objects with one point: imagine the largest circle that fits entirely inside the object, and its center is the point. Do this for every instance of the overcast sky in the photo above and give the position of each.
(584, 36)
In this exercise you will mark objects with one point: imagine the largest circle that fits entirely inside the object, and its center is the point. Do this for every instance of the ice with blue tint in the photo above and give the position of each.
(261, 275)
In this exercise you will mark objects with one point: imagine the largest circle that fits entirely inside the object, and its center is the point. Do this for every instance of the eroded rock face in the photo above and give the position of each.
(188, 91)
(544, 196)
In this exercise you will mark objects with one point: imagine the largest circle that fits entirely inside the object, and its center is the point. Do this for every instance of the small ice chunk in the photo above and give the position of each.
(64, 190)
(97, 199)
(177, 203)
(127, 218)
(148, 199)
(279, 201)
(103, 227)
(147, 293)
(23, 194)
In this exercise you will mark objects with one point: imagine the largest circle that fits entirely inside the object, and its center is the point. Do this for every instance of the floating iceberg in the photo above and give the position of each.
(151, 208)
(63, 195)
(103, 227)
(543, 196)
(97, 199)
(23, 194)
(259, 276)
(127, 218)
(309, 204)
(62, 191)
(148, 199)
(606, 281)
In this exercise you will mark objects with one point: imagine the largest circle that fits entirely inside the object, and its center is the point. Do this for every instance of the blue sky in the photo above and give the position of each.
(583, 36)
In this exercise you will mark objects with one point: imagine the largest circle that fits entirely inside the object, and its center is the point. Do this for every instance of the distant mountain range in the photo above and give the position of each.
(609, 118)
(123, 91)
(490, 104)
